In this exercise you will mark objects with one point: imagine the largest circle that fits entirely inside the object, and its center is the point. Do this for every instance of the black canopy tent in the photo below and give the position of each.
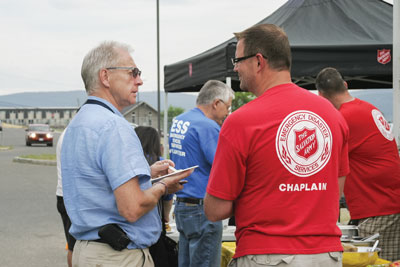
(354, 36)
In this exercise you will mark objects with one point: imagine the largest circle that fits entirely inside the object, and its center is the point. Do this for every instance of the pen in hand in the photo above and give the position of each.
(172, 168)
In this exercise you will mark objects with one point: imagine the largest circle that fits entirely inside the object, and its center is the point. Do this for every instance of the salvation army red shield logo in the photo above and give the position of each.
(382, 124)
(303, 143)
(306, 142)
(383, 56)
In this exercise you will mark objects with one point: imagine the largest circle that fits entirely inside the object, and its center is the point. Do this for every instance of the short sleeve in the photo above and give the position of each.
(228, 171)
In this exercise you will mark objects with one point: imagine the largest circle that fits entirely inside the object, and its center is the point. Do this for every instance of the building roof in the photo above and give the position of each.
(135, 106)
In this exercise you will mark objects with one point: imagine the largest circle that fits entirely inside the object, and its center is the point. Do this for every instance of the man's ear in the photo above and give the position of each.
(215, 103)
(260, 61)
(104, 78)
(345, 84)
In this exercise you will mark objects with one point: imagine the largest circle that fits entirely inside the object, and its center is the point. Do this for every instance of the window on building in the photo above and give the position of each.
(133, 117)
(149, 118)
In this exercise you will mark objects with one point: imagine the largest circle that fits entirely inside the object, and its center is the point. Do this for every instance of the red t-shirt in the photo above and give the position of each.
(373, 186)
(279, 158)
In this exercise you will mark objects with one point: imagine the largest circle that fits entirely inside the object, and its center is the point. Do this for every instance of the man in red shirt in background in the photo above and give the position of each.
(372, 188)
(279, 162)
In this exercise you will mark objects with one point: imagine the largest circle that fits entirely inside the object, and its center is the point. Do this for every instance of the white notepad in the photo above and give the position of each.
(172, 173)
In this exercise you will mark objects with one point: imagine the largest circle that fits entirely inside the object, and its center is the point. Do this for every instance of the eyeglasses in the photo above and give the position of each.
(238, 59)
(229, 108)
(135, 71)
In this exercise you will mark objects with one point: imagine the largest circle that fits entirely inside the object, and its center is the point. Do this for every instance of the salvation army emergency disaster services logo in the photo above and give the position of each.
(303, 143)
(382, 124)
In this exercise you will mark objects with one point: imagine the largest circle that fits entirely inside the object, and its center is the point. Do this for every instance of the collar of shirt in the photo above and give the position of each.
(116, 111)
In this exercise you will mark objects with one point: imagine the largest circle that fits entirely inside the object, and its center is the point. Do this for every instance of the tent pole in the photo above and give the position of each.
(166, 130)
(396, 71)
(229, 81)
(158, 69)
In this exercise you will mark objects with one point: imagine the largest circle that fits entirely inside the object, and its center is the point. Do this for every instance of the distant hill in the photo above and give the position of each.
(77, 98)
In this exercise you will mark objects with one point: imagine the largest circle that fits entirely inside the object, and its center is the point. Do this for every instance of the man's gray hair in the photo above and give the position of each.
(103, 56)
(212, 90)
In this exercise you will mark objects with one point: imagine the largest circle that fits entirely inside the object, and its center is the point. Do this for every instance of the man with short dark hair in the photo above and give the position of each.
(105, 176)
(280, 162)
(372, 188)
(193, 141)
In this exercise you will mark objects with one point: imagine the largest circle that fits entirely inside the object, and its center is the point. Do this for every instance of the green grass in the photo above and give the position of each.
(41, 156)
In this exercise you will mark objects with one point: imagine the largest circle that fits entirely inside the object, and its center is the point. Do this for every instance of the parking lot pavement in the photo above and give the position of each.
(31, 231)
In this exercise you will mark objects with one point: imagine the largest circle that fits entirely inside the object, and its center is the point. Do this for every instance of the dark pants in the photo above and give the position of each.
(66, 223)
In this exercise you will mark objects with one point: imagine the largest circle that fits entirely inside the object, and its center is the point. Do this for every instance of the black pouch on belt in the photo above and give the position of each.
(113, 235)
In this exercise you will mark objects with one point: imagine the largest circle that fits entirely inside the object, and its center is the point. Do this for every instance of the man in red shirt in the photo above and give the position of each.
(372, 188)
(279, 162)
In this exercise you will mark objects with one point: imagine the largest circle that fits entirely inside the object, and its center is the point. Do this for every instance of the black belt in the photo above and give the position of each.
(198, 201)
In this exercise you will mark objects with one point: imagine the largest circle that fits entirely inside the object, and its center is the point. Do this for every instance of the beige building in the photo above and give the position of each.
(54, 116)
(140, 113)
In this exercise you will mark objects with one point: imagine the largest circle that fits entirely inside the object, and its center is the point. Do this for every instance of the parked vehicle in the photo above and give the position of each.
(39, 134)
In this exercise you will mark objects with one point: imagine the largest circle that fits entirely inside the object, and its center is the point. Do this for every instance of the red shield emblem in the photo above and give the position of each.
(306, 143)
(384, 56)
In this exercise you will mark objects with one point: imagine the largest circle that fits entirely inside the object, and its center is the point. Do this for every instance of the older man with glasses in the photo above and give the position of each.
(106, 179)
(192, 141)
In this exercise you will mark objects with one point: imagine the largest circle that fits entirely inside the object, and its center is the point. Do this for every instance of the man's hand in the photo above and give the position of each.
(172, 182)
(161, 167)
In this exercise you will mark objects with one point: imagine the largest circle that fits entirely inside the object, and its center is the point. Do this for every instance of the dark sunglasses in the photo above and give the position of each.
(135, 71)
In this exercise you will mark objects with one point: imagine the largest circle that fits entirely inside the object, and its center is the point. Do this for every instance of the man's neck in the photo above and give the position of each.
(273, 79)
(103, 94)
(342, 98)
(208, 111)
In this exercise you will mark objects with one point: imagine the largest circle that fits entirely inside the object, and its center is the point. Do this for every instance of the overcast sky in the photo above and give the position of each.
(43, 42)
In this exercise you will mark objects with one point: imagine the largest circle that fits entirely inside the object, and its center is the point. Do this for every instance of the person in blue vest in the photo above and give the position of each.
(193, 141)
(106, 182)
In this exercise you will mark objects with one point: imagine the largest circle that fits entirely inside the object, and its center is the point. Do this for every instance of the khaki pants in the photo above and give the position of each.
(330, 259)
(95, 254)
